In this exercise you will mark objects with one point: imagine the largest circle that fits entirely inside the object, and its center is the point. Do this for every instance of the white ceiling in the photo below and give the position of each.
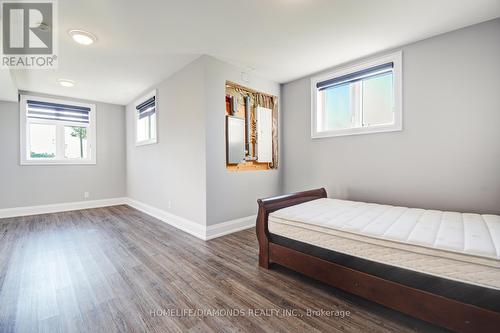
(140, 43)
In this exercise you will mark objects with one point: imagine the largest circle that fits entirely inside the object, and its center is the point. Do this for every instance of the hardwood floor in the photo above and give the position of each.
(116, 269)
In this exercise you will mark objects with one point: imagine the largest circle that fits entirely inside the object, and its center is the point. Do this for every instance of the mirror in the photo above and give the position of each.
(235, 132)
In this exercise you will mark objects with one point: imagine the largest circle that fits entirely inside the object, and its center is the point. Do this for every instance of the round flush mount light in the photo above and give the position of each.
(82, 37)
(66, 83)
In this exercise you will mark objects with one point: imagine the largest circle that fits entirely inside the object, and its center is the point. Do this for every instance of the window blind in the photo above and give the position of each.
(57, 112)
(356, 76)
(147, 108)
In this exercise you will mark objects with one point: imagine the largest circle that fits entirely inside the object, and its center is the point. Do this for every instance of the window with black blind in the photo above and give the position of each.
(359, 99)
(57, 131)
(146, 110)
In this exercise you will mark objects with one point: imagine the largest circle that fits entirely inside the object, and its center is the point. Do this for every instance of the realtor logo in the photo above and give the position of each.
(28, 34)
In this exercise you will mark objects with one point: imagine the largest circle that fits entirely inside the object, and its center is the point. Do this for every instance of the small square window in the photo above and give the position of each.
(146, 111)
(360, 99)
(56, 131)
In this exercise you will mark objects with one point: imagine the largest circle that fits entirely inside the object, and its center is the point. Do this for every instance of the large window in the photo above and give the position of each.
(146, 110)
(359, 99)
(56, 131)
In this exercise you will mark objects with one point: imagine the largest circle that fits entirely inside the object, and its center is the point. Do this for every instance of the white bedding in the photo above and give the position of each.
(464, 247)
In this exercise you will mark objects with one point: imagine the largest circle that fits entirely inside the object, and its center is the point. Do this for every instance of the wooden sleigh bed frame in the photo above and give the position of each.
(449, 313)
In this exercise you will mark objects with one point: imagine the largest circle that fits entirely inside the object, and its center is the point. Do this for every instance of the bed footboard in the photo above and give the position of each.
(269, 205)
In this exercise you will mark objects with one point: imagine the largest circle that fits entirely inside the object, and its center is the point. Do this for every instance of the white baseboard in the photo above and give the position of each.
(60, 207)
(198, 230)
(226, 228)
(178, 222)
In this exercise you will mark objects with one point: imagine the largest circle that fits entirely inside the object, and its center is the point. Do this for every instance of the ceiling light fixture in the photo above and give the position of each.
(82, 37)
(66, 83)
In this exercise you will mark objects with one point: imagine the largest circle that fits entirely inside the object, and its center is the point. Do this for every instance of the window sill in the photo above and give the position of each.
(146, 142)
(357, 131)
(59, 162)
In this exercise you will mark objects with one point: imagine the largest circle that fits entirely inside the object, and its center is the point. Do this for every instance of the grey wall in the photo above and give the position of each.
(30, 185)
(188, 166)
(173, 170)
(447, 156)
(231, 195)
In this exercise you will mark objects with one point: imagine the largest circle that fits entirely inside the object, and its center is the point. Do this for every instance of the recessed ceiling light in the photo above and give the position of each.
(66, 83)
(82, 37)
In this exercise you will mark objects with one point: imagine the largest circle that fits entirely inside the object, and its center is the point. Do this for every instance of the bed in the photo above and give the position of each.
(441, 267)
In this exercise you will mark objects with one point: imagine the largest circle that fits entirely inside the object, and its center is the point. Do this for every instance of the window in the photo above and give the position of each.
(56, 131)
(145, 119)
(360, 99)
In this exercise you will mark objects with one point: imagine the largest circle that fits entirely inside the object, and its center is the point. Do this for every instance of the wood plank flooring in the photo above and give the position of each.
(116, 269)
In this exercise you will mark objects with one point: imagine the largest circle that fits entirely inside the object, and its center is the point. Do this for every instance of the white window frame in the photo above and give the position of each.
(136, 118)
(397, 59)
(24, 134)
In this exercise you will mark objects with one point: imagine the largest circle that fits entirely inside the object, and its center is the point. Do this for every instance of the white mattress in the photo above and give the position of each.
(464, 247)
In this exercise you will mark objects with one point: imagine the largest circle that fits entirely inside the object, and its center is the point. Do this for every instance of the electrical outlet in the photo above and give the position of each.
(86, 195)
(169, 204)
